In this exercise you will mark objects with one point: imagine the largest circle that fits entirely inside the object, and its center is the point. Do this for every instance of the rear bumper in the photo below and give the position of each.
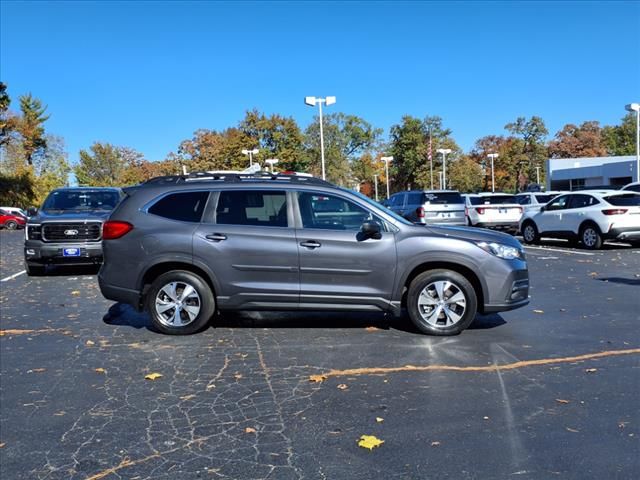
(624, 233)
(119, 294)
(40, 253)
(498, 225)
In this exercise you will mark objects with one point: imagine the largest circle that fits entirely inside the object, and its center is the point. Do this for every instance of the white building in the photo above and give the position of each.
(578, 173)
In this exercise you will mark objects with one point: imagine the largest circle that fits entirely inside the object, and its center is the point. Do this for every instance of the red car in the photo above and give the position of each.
(11, 221)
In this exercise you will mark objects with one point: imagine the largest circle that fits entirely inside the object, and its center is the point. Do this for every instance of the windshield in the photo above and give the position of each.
(378, 207)
(493, 200)
(81, 200)
(442, 198)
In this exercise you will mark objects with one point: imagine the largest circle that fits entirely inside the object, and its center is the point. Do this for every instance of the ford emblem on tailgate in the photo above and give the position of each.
(71, 232)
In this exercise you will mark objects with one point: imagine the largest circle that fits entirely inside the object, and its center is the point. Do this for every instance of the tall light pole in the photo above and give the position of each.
(444, 152)
(386, 161)
(440, 177)
(635, 107)
(538, 174)
(311, 101)
(251, 153)
(493, 156)
(271, 162)
(375, 180)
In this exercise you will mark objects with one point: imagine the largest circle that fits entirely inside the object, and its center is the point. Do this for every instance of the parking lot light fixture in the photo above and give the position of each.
(312, 101)
(271, 162)
(444, 152)
(386, 161)
(635, 107)
(375, 181)
(493, 156)
(251, 153)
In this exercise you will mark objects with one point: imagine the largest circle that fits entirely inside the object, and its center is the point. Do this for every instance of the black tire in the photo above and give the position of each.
(590, 236)
(11, 225)
(635, 243)
(469, 224)
(34, 270)
(530, 233)
(205, 301)
(459, 284)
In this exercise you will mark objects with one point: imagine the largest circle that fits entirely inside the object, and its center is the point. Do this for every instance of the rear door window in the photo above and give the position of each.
(582, 201)
(183, 206)
(263, 208)
(414, 199)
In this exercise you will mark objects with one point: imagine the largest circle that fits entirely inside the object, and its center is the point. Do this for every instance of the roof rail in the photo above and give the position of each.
(234, 178)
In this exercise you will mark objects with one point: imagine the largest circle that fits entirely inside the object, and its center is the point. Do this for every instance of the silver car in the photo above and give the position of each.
(430, 207)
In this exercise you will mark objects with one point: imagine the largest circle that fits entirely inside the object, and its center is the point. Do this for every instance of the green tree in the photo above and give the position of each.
(530, 147)
(51, 168)
(346, 137)
(210, 150)
(31, 126)
(621, 139)
(7, 120)
(465, 175)
(103, 165)
(276, 137)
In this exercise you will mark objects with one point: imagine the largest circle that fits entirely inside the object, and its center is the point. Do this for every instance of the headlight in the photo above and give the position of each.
(503, 251)
(33, 232)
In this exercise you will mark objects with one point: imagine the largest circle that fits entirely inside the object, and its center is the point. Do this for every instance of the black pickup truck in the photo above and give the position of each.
(67, 230)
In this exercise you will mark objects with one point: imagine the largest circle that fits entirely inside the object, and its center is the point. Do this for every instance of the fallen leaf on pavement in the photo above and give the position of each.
(560, 400)
(38, 370)
(152, 376)
(75, 292)
(371, 329)
(379, 419)
(187, 397)
(572, 430)
(100, 370)
(591, 370)
(317, 378)
(2, 444)
(249, 430)
(90, 343)
(342, 386)
(538, 311)
(369, 441)
(435, 444)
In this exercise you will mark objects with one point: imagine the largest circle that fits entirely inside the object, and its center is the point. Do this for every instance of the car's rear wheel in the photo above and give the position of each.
(11, 225)
(441, 302)
(180, 303)
(591, 237)
(530, 233)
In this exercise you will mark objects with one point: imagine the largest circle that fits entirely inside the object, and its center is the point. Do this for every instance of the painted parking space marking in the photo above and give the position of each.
(11, 277)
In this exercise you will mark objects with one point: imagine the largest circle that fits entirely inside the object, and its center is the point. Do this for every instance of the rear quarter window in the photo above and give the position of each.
(183, 206)
(630, 200)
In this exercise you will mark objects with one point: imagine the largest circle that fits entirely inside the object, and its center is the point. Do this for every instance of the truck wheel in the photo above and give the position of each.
(34, 270)
(441, 302)
(180, 303)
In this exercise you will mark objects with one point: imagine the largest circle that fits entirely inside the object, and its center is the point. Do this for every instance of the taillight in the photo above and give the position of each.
(480, 210)
(519, 209)
(420, 212)
(113, 229)
(614, 211)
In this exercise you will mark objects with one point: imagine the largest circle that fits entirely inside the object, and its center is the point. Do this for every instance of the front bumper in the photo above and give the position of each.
(41, 253)
(513, 294)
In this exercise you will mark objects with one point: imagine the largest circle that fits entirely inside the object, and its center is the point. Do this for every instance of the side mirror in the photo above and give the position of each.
(371, 229)
(542, 209)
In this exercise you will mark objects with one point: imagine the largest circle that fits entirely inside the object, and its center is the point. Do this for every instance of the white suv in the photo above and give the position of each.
(534, 200)
(493, 210)
(590, 216)
(634, 187)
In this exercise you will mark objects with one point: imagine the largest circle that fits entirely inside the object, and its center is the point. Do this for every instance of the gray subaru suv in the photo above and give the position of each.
(184, 247)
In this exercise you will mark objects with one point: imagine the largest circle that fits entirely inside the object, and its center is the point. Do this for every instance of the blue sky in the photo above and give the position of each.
(147, 74)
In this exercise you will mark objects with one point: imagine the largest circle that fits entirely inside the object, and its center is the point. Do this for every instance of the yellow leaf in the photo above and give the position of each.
(379, 419)
(75, 292)
(152, 376)
(538, 311)
(39, 370)
(560, 400)
(100, 370)
(369, 441)
(342, 386)
(317, 378)
(90, 343)
(250, 430)
(187, 397)
(372, 329)
(2, 444)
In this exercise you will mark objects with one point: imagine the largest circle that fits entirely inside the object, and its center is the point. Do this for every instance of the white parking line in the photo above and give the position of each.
(13, 276)
(572, 252)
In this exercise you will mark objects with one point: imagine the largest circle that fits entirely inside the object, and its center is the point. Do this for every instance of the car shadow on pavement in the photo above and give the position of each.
(124, 315)
(71, 270)
(622, 280)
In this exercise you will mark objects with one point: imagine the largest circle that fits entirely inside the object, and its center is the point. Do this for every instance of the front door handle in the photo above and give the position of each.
(310, 244)
(216, 237)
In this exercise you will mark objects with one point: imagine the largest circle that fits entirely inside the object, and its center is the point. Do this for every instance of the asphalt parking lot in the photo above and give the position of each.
(547, 391)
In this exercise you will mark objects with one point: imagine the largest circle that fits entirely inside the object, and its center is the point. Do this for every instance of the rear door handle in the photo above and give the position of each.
(216, 237)
(310, 244)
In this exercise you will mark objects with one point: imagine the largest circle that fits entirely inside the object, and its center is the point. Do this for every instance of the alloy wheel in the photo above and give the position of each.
(177, 304)
(442, 304)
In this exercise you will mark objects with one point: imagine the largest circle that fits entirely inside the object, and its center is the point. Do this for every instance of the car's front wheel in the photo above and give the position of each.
(530, 233)
(590, 237)
(11, 225)
(441, 302)
(180, 303)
